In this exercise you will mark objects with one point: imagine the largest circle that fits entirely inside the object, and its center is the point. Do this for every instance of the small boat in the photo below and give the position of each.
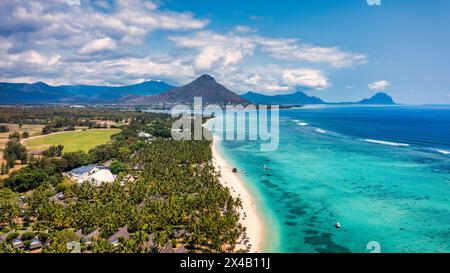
(266, 167)
(337, 225)
(269, 174)
(267, 159)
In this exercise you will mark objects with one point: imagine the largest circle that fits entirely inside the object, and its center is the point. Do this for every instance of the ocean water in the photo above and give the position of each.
(383, 173)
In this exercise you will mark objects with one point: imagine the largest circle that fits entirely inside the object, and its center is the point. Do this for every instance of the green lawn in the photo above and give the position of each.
(72, 141)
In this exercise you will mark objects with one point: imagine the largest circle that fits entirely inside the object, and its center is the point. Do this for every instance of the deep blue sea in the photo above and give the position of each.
(383, 173)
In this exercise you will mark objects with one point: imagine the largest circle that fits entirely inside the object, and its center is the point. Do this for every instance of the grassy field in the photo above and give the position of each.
(72, 141)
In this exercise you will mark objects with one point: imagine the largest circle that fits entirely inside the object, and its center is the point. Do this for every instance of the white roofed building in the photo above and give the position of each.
(93, 173)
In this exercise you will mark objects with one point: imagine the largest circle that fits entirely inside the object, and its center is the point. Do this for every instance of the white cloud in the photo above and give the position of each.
(54, 24)
(310, 78)
(244, 29)
(379, 85)
(292, 50)
(215, 51)
(98, 45)
(214, 48)
(107, 42)
(33, 57)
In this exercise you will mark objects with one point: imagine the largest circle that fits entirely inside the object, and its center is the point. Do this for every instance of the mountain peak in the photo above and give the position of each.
(40, 84)
(205, 77)
(379, 98)
(380, 94)
(204, 86)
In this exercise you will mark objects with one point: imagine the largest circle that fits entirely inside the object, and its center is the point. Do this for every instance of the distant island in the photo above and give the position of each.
(302, 98)
(157, 93)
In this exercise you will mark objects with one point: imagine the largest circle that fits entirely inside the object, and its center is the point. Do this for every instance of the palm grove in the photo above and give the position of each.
(166, 192)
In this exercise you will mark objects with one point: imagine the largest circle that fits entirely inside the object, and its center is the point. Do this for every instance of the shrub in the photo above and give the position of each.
(26, 243)
(12, 236)
(13, 151)
(26, 180)
(117, 167)
(28, 236)
(43, 237)
(15, 135)
(65, 185)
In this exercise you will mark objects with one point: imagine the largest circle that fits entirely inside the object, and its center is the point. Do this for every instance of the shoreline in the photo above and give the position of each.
(248, 215)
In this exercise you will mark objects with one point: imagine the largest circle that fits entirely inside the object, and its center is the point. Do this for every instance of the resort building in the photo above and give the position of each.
(5, 235)
(143, 134)
(35, 244)
(17, 243)
(122, 233)
(57, 197)
(167, 249)
(87, 239)
(96, 174)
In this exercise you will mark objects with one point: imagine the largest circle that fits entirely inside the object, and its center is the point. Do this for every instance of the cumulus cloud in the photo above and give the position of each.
(231, 48)
(60, 43)
(98, 45)
(305, 78)
(379, 85)
(215, 51)
(110, 42)
(55, 24)
(293, 50)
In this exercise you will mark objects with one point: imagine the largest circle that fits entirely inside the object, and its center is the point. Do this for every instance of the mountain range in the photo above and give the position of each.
(285, 99)
(156, 92)
(24, 93)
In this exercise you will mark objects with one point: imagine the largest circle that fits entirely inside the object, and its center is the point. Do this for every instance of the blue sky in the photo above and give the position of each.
(337, 50)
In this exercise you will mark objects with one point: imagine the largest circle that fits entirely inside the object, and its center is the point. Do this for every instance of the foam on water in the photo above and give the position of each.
(397, 144)
(445, 152)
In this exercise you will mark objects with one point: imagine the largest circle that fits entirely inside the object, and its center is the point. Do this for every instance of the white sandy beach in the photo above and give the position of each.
(248, 214)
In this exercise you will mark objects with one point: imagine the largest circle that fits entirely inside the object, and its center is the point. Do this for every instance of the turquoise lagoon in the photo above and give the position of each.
(383, 173)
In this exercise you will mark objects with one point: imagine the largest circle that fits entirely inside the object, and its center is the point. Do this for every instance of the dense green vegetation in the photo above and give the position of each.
(61, 116)
(165, 188)
(14, 151)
